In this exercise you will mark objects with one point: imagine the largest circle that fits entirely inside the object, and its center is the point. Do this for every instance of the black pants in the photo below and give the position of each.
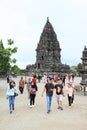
(70, 99)
(32, 99)
(21, 89)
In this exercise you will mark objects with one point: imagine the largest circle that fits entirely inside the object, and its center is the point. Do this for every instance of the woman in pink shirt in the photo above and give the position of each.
(70, 92)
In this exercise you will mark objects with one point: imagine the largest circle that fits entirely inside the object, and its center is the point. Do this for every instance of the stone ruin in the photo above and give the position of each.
(82, 68)
(48, 57)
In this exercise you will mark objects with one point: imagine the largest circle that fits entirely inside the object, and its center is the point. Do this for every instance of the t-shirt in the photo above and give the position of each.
(58, 88)
(21, 83)
(34, 81)
(48, 87)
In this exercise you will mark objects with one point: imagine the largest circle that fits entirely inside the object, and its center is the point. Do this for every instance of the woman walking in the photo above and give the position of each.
(11, 95)
(70, 92)
(29, 83)
(33, 90)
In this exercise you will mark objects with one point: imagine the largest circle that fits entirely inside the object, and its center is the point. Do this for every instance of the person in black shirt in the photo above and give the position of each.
(59, 93)
(49, 88)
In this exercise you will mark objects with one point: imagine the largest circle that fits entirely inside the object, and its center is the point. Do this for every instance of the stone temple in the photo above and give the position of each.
(48, 57)
(82, 68)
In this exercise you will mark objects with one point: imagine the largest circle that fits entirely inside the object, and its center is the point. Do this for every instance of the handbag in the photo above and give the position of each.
(15, 94)
(33, 91)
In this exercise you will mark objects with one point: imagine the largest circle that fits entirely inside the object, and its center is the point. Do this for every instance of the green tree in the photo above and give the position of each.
(74, 69)
(5, 56)
(16, 69)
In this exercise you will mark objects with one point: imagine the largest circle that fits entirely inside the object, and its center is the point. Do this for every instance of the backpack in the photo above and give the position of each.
(33, 91)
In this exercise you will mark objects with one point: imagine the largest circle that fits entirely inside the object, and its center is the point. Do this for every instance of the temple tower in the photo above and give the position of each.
(48, 57)
(83, 67)
(48, 50)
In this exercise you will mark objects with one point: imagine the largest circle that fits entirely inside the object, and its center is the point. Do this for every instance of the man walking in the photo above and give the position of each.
(21, 85)
(49, 88)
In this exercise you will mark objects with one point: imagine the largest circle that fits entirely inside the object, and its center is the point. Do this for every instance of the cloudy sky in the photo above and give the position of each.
(24, 20)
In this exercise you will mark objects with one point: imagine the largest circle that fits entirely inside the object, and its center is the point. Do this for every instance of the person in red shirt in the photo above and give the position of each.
(34, 80)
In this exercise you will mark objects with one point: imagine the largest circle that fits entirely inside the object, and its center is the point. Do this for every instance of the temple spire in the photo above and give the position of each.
(47, 19)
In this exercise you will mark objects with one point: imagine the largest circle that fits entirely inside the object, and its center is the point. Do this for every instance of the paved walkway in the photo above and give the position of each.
(24, 118)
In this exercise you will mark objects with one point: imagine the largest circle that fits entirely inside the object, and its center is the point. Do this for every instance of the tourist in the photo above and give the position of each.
(33, 90)
(21, 85)
(73, 77)
(39, 78)
(11, 95)
(44, 79)
(59, 93)
(49, 88)
(10, 78)
(34, 79)
(69, 77)
(70, 92)
(7, 78)
(29, 83)
(63, 80)
(55, 78)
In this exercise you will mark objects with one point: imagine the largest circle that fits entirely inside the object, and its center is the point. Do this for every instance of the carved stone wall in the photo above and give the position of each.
(83, 67)
(48, 57)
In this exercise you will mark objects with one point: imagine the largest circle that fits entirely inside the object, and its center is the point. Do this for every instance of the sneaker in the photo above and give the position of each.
(13, 108)
(10, 112)
(69, 106)
(48, 111)
(30, 106)
(61, 108)
(58, 107)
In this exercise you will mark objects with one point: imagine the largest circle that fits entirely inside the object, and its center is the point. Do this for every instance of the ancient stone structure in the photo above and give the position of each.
(48, 57)
(83, 67)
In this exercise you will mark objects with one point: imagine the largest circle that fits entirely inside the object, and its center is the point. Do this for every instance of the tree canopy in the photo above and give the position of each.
(5, 56)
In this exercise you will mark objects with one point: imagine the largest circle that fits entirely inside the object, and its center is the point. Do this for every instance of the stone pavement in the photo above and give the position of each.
(24, 118)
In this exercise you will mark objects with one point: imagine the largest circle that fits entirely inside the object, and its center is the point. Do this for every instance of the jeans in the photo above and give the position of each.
(49, 100)
(11, 102)
(32, 99)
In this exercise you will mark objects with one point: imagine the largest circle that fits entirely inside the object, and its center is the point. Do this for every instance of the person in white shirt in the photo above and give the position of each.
(10, 95)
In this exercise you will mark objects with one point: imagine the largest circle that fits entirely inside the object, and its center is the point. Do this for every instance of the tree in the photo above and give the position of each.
(16, 69)
(5, 56)
(74, 69)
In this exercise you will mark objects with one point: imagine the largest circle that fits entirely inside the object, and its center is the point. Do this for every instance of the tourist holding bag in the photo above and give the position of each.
(70, 92)
(11, 95)
(33, 90)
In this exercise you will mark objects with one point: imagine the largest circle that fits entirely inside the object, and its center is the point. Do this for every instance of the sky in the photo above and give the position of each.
(23, 21)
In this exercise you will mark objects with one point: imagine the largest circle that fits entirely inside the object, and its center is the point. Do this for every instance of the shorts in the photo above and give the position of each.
(59, 97)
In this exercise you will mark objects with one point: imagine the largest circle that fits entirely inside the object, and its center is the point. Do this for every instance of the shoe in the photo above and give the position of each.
(72, 104)
(13, 108)
(48, 111)
(69, 106)
(30, 106)
(61, 108)
(58, 107)
(10, 112)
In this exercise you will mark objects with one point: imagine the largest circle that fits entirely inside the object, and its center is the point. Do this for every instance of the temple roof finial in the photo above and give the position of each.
(47, 19)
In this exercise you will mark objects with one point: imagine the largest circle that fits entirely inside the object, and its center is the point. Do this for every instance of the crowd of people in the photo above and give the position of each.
(52, 85)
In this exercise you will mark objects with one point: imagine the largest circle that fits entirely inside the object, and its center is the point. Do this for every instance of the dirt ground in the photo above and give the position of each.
(24, 118)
